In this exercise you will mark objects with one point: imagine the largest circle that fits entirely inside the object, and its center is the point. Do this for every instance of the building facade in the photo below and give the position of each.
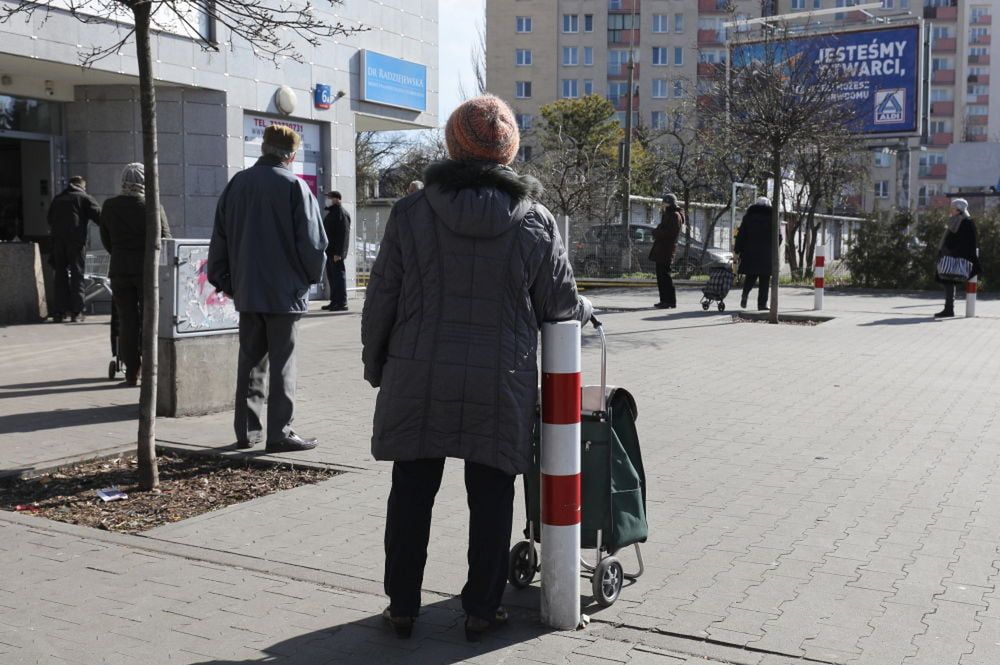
(58, 119)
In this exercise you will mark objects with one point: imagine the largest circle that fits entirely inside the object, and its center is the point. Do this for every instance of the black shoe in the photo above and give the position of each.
(57, 318)
(402, 625)
(327, 307)
(291, 443)
(743, 302)
(945, 313)
(763, 308)
(77, 317)
(475, 627)
(338, 308)
(661, 305)
(249, 443)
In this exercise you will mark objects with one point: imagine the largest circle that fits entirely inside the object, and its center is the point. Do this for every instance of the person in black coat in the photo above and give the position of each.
(69, 215)
(753, 245)
(664, 247)
(960, 241)
(338, 229)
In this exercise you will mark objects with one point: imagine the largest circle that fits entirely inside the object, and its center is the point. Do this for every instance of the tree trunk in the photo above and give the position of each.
(791, 251)
(775, 231)
(148, 472)
(685, 263)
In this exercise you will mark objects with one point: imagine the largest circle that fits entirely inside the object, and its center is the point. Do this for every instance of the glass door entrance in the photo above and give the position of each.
(25, 188)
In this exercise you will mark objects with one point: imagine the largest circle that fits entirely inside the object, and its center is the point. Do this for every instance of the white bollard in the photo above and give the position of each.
(560, 471)
(819, 274)
(970, 297)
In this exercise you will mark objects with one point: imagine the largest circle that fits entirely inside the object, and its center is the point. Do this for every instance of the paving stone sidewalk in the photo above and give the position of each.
(826, 492)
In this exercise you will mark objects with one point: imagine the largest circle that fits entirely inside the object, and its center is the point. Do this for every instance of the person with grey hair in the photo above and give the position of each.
(268, 246)
(69, 216)
(959, 241)
(414, 186)
(123, 232)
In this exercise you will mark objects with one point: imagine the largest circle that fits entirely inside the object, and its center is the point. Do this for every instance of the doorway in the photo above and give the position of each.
(25, 188)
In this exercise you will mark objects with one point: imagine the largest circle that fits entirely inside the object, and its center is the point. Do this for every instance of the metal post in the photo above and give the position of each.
(819, 274)
(560, 474)
(970, 297)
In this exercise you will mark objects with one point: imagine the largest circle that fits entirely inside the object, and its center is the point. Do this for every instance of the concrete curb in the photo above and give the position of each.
(51, 466)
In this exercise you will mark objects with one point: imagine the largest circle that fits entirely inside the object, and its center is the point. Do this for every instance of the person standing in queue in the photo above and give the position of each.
(665, 238)
(753, 246)
(69, 215)
(268, 246)
(469, 269)
(959, 240)
(337, 224)
(123, 232)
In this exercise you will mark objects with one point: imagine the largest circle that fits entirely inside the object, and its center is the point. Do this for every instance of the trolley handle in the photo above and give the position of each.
(604, 360)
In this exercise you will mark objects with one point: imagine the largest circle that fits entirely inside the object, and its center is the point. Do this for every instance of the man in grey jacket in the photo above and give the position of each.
(267, 247)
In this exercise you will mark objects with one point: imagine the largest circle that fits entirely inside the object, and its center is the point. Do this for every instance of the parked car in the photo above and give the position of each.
(600, 253)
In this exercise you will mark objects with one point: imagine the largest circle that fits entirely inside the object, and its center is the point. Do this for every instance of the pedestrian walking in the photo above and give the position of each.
(664, 247)
(959, 241)
(123, 232)
(267, 248)
(69, 215)
(337, 224)
(468, 270)
(753, 246)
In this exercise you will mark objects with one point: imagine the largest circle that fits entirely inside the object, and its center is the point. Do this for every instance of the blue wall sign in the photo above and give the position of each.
(880, 67)
(393, 82)
(323, 96)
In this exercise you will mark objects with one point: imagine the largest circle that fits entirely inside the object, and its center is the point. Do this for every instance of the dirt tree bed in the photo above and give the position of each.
(189, 486)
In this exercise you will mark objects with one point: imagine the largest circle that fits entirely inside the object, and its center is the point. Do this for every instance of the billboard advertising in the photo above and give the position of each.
(880, 68)
(393, 82)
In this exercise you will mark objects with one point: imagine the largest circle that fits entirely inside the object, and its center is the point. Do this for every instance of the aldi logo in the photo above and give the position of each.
(890, 105)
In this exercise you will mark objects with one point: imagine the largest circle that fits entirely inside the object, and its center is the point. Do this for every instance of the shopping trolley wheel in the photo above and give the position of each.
(607, 581)
(521, 567)
(705, 304)
(722, 306)
(112, 370)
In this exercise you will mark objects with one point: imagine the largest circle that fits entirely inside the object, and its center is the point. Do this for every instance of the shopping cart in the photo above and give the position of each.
(96, 283)
(613, 491)
(720, 280)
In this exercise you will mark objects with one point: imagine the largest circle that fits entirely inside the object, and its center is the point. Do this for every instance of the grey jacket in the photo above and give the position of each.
(467, 271)
(268, 242)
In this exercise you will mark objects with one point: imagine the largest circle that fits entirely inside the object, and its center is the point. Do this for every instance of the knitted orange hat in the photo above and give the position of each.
(484, 129)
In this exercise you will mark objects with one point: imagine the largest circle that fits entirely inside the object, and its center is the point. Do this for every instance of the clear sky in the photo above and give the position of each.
(458, 20)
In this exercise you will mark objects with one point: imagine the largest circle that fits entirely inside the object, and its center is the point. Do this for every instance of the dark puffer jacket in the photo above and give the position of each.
(467, 271)
(963, 243)
(123, 232)
(753, 241)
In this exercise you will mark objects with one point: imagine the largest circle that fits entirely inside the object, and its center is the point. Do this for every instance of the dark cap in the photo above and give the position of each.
(334, 194)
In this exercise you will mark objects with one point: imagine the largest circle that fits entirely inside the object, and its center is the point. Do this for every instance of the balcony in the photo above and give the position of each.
(618, 72)
(976, 138)
(945, 45)
(983, 19)
(710, 69)
(937, 171)
(941, 13)
(623, 37)
(624, 6)
(946, 109)
(981, 40)
(942, 138)
(621, 103)
(938, 201)
(979, 59)
(712, 6)
(979, 78)
(943, 76)
(710, 37)
(977, 120)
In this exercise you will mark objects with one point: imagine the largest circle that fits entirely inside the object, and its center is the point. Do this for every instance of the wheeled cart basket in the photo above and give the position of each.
(720, 280)
(613, 491)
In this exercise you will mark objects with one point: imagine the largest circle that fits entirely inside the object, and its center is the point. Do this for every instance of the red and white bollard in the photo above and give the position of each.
(970, 297)
(560, 468)
(819, 272)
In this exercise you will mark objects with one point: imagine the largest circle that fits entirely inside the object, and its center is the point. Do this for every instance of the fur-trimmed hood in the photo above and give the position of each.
(479, 199)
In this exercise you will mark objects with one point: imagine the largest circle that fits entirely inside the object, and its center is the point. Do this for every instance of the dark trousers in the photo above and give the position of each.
(68, 260)
(266, 339)
(949, 297)
(665, 283)
(127, 294)
(408, 526)
(762, 291)
(336, 277)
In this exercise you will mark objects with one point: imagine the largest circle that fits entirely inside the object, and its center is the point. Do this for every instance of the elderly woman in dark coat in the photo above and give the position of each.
(753, 245)
(468, 270)
(664, 247)
(960, 241)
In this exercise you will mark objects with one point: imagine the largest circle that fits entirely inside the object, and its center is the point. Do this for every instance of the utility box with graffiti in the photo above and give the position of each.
(198, 331)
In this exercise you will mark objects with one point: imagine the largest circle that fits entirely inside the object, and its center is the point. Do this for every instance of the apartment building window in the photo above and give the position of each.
(678, 22)
(976, 13)
(588, 22)
(569, 56)
(617, 90)
(524, 24)
(523, 121)
(614, 4)
(938, 64)
(881, 189)
(882, 159)
(571, 23)
(678, 56)
(927, 161)
(658, 120)
(926, 193)
(975, 34)
(522, 57)
(618, 24)
(588, 56)
(660, 55)
(979, 50)
(977, 109)
(840, 16)
(975, 90)
(817, 4)
(942, 95)
(661, 23)
(940, 126)
(522, 89)
(798, 4)
(941, 32)
(678, 88)
(617, 60)
(569, 89)
(660, 89)
(588, 87)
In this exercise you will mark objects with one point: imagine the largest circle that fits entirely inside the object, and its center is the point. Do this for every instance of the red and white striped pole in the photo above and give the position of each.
(970, 297)
(560, 481)
(819, 273)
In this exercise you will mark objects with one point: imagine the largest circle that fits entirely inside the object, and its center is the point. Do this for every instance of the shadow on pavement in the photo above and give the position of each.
(53, 384)
(108, 385)
(59, 419)
(692, 314)
(905, 321)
